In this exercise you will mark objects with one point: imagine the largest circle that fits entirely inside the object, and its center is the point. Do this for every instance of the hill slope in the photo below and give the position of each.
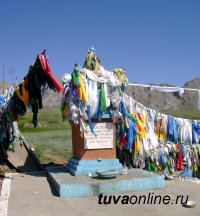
(152, 99)
(166, 101)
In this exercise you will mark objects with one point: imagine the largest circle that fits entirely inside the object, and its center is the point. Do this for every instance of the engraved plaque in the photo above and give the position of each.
(104, 138)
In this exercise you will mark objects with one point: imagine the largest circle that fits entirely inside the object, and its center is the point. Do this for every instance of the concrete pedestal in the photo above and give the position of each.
(91, 155)
(69, 186)
(84, 167)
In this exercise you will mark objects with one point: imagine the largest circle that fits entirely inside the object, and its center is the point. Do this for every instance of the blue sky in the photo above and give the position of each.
(156, 41)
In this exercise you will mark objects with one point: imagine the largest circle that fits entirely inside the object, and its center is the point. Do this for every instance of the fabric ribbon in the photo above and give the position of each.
(166, 89)
(47, 71)
(93, 76)
(81, 90)
(23, 95)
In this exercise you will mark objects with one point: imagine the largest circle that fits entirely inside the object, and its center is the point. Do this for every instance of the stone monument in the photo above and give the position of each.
(87, 99)
(90, 153)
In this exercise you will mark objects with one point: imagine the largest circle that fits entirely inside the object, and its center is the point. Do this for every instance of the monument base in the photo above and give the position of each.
(69, 186)
(84, 167)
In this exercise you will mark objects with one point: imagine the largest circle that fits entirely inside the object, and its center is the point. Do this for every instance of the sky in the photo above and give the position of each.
(156, 41)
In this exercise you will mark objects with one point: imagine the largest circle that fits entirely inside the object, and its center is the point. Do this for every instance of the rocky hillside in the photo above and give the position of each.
(166, 101)
(155, 99)
(51, 98)
(152, 99)
(4, 86)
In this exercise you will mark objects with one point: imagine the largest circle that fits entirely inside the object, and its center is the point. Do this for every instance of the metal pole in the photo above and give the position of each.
(16, 82)
(3, 79)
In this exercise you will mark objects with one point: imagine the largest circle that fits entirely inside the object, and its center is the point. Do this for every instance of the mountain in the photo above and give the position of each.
(152, 99)
(51, 98)
(4, 85)
(166, 101)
